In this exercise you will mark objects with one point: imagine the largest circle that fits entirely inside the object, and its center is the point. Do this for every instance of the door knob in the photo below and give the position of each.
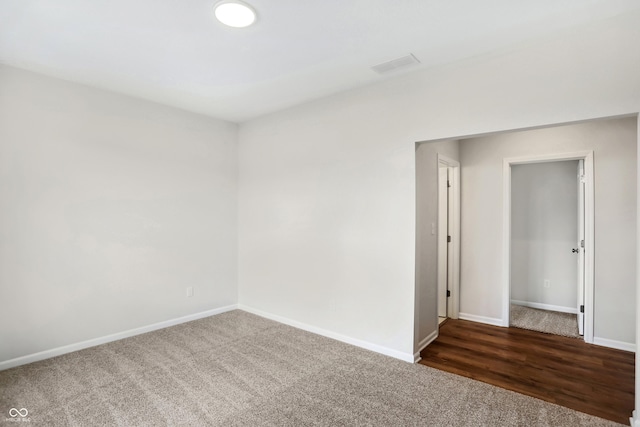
(576, 250)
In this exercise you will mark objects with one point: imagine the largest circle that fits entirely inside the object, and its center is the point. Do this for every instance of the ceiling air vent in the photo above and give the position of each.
(395, 64)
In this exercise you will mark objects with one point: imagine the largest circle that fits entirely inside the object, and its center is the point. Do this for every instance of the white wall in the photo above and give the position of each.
(314, 244)
(614, 145)
(544, 229)
(327, 209)
(109, 208)
(427, 243)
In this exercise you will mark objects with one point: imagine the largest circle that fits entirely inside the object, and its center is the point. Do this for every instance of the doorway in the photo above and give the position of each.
(448, 269)
(548, 202)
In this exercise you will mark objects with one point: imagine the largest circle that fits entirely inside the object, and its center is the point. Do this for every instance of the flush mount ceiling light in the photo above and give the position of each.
(234, 13)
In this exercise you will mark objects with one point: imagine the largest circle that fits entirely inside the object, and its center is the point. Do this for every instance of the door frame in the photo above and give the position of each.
(453, 303)
(587, 156)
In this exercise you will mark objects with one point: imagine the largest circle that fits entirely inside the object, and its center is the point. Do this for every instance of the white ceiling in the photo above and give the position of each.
(175, 53)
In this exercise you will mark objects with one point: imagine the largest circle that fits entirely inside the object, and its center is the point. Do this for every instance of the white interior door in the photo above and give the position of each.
(450, 246)
(580, 247)
(443, 205)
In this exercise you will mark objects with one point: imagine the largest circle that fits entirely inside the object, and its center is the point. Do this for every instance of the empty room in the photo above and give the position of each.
(319, 213)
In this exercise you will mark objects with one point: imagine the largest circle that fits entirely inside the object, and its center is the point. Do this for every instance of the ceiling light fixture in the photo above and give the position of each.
(234, 13)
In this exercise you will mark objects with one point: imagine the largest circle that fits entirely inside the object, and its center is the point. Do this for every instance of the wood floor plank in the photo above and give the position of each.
(592, 379)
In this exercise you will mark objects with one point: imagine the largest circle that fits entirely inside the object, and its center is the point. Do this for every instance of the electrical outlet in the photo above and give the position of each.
(547, 283)
(190, 291)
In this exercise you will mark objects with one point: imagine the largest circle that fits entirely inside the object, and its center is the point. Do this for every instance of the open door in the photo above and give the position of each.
(448, 272)
(443, 233)
(583, 248)
(580, 249)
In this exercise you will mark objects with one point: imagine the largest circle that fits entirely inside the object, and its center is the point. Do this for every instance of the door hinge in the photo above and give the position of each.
(582, 243)
(582, 309)
(448, 183)
(448, 293)
(582, 179)
(448, 239)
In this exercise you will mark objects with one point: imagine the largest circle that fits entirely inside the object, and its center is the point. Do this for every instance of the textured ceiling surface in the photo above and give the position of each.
(174, 52)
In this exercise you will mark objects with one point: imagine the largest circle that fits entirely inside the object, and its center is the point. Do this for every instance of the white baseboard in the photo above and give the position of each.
(424, 343)
(634, 421)
(480, 319)
(407, 357)
(46, 354)
(620, 345)
(541, 306)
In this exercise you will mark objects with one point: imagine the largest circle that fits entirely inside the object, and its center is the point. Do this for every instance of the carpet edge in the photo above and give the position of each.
(69, 348)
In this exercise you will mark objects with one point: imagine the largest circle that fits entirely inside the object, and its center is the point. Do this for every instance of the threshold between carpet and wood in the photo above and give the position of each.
(566, 371)
(550, 322)
(238, 369)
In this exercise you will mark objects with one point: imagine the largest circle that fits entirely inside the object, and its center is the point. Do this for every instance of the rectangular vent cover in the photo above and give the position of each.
(402, 62)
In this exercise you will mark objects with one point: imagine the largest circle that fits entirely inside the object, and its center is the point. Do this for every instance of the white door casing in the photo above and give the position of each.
(588, 252)
(580, 247)
(443, 225)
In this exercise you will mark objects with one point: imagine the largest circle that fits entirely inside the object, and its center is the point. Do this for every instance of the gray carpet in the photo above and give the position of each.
(237, 369)
(550, 322)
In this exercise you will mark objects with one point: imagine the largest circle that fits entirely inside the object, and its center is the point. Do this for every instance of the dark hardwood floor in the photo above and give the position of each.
(561, 370)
